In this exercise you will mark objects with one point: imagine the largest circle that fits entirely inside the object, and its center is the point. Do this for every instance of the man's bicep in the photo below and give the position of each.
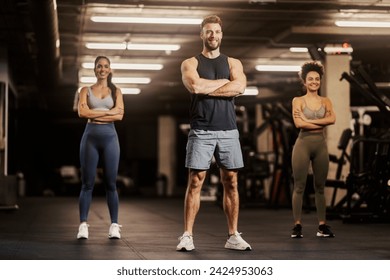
(189, 74)
(236, 70)
(237, 76)
(188, 69)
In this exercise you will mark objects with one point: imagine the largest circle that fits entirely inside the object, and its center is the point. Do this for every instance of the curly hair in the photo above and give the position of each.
(307, 67)
(211, 19)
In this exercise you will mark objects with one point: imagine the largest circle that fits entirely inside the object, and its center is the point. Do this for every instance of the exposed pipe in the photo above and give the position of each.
(45, 21)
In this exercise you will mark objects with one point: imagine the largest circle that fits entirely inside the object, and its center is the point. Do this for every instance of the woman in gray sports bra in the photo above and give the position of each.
(101, 104)
(311, 114)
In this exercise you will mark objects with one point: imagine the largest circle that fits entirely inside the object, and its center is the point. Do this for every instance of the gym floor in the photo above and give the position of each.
(45, 228)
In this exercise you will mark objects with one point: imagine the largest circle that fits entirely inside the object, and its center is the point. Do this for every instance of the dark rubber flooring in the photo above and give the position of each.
(45, 228)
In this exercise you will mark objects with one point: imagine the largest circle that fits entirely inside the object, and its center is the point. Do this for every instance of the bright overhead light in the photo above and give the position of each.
(119, 80)
(338, 49)
(131, 46)
(153, 47)
(106, 46)
(344, 48)
(128, 66)
(251, 91)
(299, 50)
(146, 20)
(130, 90)
(278, 68)
(123, 90)
(343, 23)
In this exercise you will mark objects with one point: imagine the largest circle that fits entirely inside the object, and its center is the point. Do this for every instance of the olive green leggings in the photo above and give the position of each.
(309, 147)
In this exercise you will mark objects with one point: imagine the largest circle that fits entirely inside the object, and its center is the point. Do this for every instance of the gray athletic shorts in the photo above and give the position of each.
(224, 145)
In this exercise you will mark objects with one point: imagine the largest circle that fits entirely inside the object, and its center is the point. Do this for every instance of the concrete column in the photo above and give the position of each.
(339, 93)
(167, 161)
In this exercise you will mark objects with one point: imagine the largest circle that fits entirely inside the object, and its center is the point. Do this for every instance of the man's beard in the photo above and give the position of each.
(210, 47)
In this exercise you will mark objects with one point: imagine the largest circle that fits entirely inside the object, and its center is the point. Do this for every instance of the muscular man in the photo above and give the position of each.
(214, 80)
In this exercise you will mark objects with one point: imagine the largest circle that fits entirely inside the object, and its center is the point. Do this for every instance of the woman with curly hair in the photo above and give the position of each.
(311, 114)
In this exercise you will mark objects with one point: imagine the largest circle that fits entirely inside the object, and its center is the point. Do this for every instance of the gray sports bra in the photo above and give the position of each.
(314, 114)
(95, 103)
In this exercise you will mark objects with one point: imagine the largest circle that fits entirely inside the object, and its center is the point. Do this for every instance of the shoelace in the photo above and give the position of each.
(84, 224)
(118, 227)
(184, 236)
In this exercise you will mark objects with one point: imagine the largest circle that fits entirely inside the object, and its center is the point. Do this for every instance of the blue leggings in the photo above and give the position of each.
(99, 140)
(310, 147)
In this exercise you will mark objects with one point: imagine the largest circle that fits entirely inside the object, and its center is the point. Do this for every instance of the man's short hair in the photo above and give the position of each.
(211, 19)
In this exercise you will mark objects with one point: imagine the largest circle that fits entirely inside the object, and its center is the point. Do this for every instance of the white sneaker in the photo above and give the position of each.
(83, 231)
(114, 231)
(186, 243)
(235, 242)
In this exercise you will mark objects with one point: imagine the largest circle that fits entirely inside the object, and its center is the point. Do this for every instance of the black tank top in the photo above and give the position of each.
(212, 113)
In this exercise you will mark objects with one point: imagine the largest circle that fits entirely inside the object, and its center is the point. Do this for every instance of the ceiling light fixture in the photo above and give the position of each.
(299, 50)
(344, 48)
(278, 68)
(127, 66)
(147, 20)
(118, 80)
(251, 91)
(381, 24)
(338, 49)
(130, 90)
(131, 46)
(123, 90)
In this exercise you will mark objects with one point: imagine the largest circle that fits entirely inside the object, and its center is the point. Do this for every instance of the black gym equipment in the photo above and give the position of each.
(368, 186)
(338, 183)
(273, 165)
(368, 183)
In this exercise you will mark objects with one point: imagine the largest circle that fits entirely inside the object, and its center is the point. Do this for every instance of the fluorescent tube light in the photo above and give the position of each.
(128, 66)
(343, 23)
(123, 90)
(251, 91)
(130, 46)
(130, 90)
(119, 80)
(336, 49)
(153, 47)
(106, 46)
(299, 50)
(147, 20)
(278, 68)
